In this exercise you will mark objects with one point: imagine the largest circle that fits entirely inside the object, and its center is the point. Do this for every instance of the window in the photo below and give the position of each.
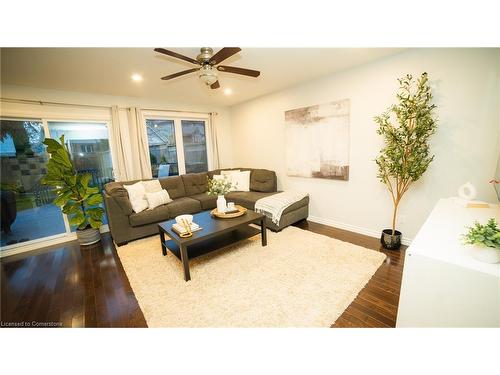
(162, 148)
(195, 146)
(177, 146)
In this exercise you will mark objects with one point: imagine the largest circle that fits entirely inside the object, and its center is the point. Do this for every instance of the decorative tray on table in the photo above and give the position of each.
(239, 210)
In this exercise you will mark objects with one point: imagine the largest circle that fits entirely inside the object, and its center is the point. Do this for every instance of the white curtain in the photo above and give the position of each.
(120, 137)
(139, 144)
(213, 145)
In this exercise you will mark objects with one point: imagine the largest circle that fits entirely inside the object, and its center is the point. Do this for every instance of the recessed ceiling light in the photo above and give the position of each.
(228, 91)
(136, 77)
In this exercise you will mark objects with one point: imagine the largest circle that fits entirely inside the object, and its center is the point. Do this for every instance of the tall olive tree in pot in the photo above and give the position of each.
(406, 128)
(76, 198)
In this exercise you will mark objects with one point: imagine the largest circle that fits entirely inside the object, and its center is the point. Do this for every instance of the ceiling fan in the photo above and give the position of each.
(208, 65)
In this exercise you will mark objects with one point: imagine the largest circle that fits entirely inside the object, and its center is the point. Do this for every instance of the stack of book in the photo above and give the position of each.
(181, 229)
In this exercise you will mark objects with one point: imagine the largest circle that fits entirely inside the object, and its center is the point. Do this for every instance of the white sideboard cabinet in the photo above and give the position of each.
(443, 285)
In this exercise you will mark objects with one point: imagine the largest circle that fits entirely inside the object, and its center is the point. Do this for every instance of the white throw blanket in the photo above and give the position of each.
(274, 205)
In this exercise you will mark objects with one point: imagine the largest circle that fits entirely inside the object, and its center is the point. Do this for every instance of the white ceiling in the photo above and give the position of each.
(108, 71)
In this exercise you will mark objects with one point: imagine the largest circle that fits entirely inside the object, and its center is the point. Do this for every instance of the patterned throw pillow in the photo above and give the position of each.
(229, 175)
(241, 181)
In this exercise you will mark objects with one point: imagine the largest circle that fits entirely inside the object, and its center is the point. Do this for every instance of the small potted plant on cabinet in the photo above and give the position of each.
(485, 241)
(406, 128)
(76, 198)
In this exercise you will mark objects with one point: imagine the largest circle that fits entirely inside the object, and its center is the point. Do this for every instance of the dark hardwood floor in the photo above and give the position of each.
(72, 287)
(377, 303)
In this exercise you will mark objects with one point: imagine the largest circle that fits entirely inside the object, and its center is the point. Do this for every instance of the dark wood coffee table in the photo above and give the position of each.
(216, 233)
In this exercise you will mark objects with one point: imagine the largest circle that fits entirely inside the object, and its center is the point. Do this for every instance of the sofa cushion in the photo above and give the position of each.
(183, 205)
(246, 199)
(156, 215)
(174, 186)
(207, 202)
(195, 183)
(120, 195)
(263, 180)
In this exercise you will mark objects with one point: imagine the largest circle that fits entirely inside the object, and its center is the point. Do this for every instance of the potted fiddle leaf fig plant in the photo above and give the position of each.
(76, 198)
(406, 128)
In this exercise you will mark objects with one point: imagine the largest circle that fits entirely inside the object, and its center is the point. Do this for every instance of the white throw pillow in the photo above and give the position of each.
(241, 181)
(137, 196)
(228, 172)
(218, 177)
(152, 186)
(139, 205)
(158, 198)
(228, 177)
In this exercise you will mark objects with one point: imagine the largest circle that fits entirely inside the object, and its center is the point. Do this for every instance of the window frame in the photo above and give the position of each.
(177, 118)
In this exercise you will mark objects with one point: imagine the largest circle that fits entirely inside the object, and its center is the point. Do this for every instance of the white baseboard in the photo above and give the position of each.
(353, 228)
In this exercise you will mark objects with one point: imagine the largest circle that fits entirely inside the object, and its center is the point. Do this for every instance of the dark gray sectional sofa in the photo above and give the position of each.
(189, 194)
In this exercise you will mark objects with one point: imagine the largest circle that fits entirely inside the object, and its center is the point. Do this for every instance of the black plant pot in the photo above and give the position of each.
(389, 241)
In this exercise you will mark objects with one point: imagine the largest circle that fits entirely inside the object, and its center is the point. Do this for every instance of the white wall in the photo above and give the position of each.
(466, 88)
(223, 118)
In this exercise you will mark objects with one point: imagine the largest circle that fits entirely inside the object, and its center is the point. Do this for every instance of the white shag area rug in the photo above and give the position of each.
(300, 279)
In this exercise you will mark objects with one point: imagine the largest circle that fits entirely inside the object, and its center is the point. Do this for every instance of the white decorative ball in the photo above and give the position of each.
(467, 191)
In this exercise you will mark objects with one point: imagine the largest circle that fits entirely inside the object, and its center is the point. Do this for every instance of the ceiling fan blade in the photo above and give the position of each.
(215, 85)
(223, 54)
(178, 74)
(243, 71)
(176, 55)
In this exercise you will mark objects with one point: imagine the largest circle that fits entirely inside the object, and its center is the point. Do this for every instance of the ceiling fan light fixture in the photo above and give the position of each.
(205, 54)
(208, 74)
(207, 65)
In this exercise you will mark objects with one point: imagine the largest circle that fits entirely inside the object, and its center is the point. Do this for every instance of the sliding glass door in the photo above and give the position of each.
(26, 204)
(27, 210)
(177, 146)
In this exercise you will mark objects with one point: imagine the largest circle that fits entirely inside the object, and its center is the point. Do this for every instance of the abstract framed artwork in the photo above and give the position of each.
(317, 141)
